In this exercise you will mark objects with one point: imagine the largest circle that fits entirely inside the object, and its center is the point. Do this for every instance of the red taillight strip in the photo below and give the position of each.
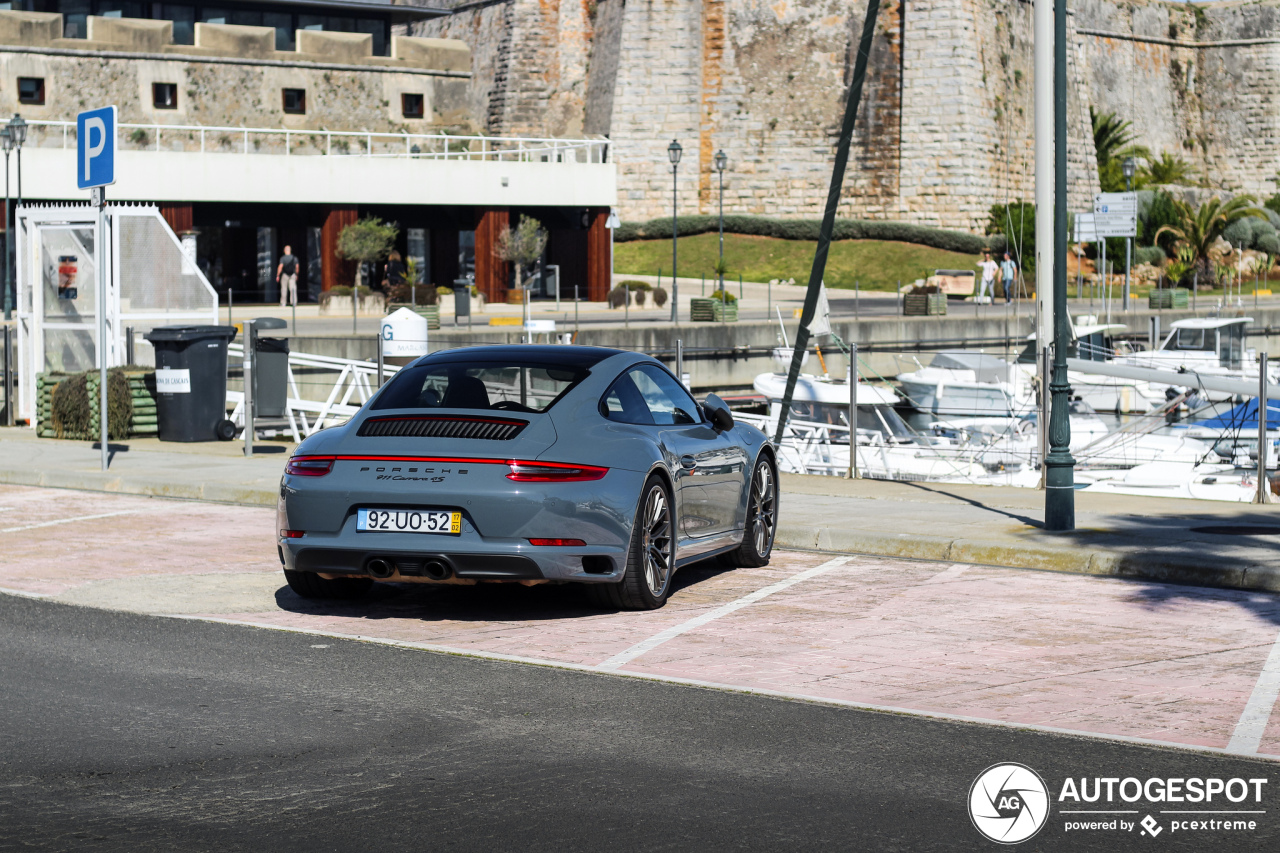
(557, 543)
(309, 466)
(522, 470)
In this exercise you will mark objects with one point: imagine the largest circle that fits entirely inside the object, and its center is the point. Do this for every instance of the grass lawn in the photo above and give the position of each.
(876, 264)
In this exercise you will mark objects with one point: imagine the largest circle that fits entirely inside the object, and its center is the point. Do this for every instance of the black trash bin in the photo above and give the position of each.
(191, 382)
(461, 300)
(270, 369)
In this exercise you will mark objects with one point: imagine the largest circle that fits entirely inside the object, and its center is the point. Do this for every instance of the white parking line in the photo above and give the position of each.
(69, 520)
(661, 637)
(1247, 736)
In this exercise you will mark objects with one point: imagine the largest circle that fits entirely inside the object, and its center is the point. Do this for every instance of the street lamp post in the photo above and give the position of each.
(10, 298)
(1128, 167)
(17, 129)
(674, 151)
(721, 160)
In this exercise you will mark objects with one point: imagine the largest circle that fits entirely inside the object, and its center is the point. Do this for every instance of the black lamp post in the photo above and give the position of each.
(10, 300)
(674, 151)
(18, 132)
(721, 160)
(1059, 495)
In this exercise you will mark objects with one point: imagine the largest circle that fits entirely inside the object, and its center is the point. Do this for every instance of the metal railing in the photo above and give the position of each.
(334, 143)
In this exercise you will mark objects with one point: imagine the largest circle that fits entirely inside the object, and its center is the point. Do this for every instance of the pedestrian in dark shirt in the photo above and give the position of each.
(287, 275)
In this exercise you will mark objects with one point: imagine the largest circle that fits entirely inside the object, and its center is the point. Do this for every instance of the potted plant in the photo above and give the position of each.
(923, 300)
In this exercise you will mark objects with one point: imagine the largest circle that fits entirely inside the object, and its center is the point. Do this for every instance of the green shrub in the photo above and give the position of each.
(659, 296)
(634, 285)
(803, 229)
(1153, 255)
(618, 297)
(1268, 244)
(724, 296)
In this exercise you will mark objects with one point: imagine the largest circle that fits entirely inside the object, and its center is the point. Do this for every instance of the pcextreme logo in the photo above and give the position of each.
(1010, 803)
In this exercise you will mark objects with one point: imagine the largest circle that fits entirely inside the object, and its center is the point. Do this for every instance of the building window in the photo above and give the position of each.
(411, 105)
(31, 90)
(295, 101)
(164, 96)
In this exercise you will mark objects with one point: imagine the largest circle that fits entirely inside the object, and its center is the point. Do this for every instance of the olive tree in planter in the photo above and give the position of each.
(367, 241)
(521, 246)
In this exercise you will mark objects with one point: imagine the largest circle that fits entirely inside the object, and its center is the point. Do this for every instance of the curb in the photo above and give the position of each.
(1072, 559)
(130, 485)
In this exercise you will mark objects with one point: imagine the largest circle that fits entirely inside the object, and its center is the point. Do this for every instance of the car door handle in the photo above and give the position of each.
(688, 462)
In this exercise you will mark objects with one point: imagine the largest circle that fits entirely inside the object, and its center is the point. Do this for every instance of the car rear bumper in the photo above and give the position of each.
(501, 562)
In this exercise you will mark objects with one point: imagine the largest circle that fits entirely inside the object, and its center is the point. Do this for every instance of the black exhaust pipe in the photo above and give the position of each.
(379, 568)
(437, 570)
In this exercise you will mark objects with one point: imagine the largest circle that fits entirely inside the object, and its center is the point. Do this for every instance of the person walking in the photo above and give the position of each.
(1008, 273)
(287, 276)
(989, 270)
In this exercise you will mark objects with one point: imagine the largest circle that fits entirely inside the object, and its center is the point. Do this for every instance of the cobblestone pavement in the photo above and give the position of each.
(1161, 662)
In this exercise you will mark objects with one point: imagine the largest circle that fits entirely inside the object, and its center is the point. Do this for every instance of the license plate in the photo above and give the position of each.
(409, 520)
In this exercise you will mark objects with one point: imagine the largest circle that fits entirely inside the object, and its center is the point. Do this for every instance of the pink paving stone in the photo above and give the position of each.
(1089, 654)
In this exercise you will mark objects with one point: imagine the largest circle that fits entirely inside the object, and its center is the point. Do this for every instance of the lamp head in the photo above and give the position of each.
(721, 160)
(18, 130)
(1129, 167)
(674, 151)
(6, 141)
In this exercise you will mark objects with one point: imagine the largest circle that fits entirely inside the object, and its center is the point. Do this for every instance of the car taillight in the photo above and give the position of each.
(552, 472)
(557, 543)
(309, 466)
(291, 534)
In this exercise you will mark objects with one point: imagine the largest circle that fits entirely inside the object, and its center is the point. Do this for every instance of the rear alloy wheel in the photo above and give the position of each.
(762, 518)
(646, 583)
(311, 585)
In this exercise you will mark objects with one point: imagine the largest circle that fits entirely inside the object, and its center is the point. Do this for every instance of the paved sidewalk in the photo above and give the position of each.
(1164, 539)
(1157, 662)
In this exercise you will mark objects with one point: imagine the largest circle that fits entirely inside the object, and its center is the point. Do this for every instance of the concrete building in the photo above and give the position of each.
(257, 125)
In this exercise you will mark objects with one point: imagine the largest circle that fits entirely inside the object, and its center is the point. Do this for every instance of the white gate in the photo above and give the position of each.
(152, 282)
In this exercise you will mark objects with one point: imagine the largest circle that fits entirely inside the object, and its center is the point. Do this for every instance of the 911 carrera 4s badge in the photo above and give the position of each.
(415, 473)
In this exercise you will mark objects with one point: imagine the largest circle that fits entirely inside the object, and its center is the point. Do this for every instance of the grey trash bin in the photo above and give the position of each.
(270, 369)
(191, 382)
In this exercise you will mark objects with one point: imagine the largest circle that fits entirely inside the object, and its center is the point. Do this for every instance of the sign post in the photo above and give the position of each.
(1116, 215)
(96, 170)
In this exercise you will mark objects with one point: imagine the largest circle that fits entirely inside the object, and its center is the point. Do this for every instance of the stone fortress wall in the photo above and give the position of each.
(232, 76)
(946, 125)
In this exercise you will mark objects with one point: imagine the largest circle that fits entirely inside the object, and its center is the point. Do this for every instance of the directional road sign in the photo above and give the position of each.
(96, 148)
(1084, 230)
(1116, 214)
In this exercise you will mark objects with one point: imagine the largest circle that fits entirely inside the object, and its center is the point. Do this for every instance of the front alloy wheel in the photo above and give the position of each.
(762, 517)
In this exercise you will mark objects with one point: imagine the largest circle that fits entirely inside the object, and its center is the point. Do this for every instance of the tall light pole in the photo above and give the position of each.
(18, 130)
(1059, 494)
(1128, 167)
(17, 135)
(674, 151)
(721, 160)
(10, 298)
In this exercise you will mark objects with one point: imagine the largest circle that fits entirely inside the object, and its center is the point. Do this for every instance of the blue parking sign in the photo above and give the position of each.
(96, 148)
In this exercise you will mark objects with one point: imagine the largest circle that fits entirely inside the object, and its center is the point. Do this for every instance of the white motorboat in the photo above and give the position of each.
(816, 440)
(1203, 481)
(961, 382)
(1210, 346)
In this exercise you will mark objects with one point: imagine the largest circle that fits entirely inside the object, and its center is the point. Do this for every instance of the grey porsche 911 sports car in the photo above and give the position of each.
(529, 464)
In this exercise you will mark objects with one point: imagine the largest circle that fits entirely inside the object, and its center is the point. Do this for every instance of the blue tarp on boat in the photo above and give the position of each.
(1243, 416)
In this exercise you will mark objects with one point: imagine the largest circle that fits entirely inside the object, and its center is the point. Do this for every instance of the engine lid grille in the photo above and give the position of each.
(443, 426)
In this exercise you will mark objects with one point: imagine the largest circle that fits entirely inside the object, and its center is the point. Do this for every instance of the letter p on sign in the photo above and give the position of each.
(96, 148)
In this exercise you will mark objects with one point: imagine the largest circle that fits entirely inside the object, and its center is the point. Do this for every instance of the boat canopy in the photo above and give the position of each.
(986, 368)
(1243, 417)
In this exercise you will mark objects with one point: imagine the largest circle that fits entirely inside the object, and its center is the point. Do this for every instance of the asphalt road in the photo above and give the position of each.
(128, 732)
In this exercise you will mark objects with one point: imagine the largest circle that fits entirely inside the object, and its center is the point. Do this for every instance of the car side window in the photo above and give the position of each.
(648, 395)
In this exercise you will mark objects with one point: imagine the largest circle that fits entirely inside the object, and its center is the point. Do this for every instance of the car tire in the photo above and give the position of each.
(762, 518)
(311, 585)
(646, 583)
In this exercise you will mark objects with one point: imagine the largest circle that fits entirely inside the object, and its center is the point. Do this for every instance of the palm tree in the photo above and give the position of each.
(1197, 230)
(1113, 142)
(1169, 169)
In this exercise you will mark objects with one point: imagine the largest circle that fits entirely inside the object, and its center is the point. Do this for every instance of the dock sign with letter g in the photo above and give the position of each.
(96, 148)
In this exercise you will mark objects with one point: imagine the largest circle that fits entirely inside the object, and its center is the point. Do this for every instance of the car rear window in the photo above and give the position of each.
(505, 387)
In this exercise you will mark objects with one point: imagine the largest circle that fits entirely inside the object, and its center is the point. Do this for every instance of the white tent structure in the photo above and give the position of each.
(152, 282)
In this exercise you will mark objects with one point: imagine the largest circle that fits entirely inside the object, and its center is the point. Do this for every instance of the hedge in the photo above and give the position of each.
(806, 229)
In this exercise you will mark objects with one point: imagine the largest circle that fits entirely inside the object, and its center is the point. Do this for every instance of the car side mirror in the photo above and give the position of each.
(718, 412)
